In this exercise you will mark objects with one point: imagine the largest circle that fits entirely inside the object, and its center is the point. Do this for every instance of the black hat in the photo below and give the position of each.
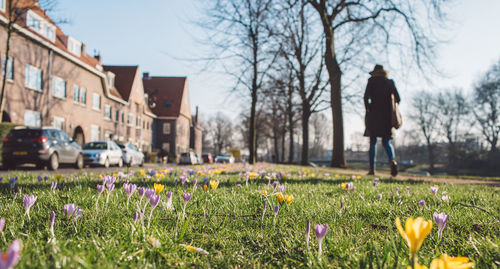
(378, 70)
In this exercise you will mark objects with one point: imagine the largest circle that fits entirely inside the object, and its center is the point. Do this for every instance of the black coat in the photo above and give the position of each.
(378, 104)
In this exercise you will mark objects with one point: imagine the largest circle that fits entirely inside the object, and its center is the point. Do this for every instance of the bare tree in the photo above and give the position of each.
(354, 29)
(486, 103)
(321, 135)
(302, 49)
(425, 115)
(241, 33)
(452, 108)
(220, 130)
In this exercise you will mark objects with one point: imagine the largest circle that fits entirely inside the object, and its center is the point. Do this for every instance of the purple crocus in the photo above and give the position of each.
(434, 189)
(187, 196)
(320, 231)
(380, 196)
(149, 192)
(275, 184)
(375, 182)
(141, 191)
(137, 216)
(421, 202)
(28, 201)
(182, 179)
(440, 219)
(129, 190)
(281, 188)
(53, 185)
(341, 204)
(154, 200)
(52, 221)
(2, 224)
(109, 187)
(195, 182)
(40, 178)
(10, 258)
(70, 210)
(308, 232)
(100, 189)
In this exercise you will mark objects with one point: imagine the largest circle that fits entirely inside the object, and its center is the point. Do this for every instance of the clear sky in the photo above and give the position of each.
(160, 37)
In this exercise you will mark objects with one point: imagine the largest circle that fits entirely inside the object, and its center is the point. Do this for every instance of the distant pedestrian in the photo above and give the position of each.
(378, 98)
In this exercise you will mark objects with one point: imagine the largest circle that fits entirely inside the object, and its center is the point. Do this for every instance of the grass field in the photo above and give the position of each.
(230, 222)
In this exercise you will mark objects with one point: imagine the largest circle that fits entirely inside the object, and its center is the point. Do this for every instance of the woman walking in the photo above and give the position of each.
(378, 98)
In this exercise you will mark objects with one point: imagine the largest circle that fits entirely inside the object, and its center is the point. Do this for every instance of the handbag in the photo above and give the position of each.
(396, 119)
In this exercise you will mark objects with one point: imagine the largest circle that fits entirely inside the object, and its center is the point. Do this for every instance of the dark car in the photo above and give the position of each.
(40, 146)
(207, 158)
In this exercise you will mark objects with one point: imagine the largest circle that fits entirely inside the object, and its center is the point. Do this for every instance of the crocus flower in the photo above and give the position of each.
(237, 186)
(137, 216)
(129, 190)
(186, 197)
(28, 201)
(380, 196)
(100, 189)
(281, 188)
(141, 191)
(341, 204)
(440, 219)
(53, 185)
(40, 178)
(154, 242)
(275, 184)
(195, 184)
(154, 200)
(276, 210)
(2, 224)
(71, 210)
(416, 230)
(348, 186)
(288, 198)
(434, 189)
(168, 204)
(421, 202)
(182, 179)
(447, 262)
(320, 231)
(445, 198)
(205, 188)
(51, 222)
(109, 187)
(308, 232)
(158, 188)
(194, 249)
(280, 197)
(10, 258)
(149, 193)
(214, 184)
(375, 182)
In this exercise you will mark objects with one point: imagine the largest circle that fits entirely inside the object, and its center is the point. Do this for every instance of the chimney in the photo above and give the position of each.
(83, 49)
(145, 75)
(196, 115)
(98, 58)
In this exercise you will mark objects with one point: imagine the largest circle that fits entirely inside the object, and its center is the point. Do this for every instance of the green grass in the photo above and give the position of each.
(227, 222)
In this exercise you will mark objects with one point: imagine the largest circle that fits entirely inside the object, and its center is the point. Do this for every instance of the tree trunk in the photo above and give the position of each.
(291, 126)
(252, 132)
(5, 64)
(282, 158)
(276, 145)
(306, 114)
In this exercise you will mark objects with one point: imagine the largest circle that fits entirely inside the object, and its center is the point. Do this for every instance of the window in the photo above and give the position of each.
(167, 104)
(58, 122)
(111, 80)
(95, 132)
(165, 147)
(166, 128)
(76, 94)
(96, 101)
(41, 26)
(33, 78)
(107, 112)
(49, 33)
(138, 122)
(58, 87)
(10, 67)
(130, 119)
(34, 23)
(2, 5)
(83, 96)
(117, 115)
(32, 118)
(123, 117)
(74, 46)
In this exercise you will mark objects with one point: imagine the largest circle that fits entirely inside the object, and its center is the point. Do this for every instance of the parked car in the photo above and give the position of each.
(131, 155)
(44, 146)
(188, 158)
(207, 158)
(224, 158)
(104, 153)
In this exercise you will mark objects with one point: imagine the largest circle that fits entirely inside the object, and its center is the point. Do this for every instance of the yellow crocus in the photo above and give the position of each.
(264, 192)
(414, 233)
(280, 197)
(447, 262)
(158, 188)
(115, 175)
(288, 199)
(142, 172)
(59, 176)
(205, 188)
(214, 184)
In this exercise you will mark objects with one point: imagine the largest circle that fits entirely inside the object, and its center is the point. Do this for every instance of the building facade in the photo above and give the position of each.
(52, 81)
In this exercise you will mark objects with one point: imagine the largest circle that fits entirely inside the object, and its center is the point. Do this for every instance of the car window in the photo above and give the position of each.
(95, 145)
(64, 136)
(25, 133)
(53, 135)
(121, 146)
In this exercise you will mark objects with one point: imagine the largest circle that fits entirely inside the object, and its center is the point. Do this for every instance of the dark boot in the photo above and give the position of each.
(394, 168)
(371, 172)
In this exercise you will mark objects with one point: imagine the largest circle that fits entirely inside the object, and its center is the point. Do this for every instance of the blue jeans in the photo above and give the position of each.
(386, 143)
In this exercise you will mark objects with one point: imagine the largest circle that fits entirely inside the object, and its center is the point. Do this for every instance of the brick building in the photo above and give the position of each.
(169, 101)
(51, 80)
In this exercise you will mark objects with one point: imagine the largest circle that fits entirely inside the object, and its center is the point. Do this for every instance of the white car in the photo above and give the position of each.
(224, 158)
(131, 155)
(104, 153)
(188, 158)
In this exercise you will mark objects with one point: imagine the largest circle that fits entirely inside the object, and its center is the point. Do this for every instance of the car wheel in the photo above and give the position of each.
(120, 162)
(53, 162)
(79, 162)
(106, 163)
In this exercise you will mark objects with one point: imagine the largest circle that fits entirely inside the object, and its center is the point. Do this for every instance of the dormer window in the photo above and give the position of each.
(111, 80)
(2, 5)
(40, 25)
(74, 46)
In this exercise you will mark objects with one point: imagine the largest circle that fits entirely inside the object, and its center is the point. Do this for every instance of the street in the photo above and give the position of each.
(64, 170)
